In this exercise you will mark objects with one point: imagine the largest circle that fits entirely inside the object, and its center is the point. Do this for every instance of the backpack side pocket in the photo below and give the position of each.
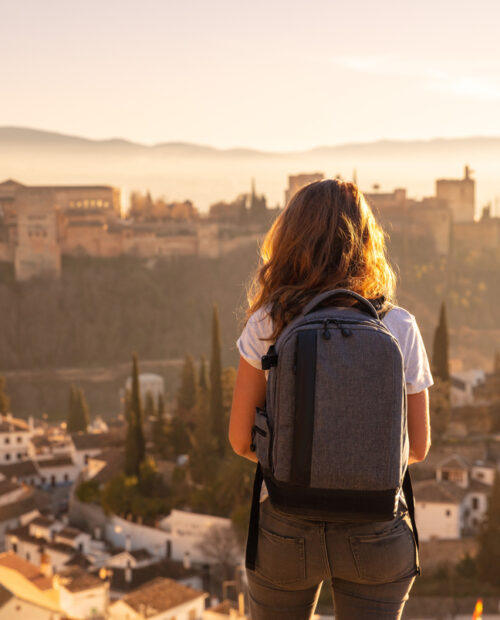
(262, 439)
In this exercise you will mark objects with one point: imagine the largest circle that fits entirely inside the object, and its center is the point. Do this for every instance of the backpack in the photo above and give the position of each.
(332, 441)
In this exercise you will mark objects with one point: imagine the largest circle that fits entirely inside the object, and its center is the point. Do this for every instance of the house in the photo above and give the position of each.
(86, 445)
(17, 507)
(160, 599)
(23, 597)
(15, 435)
(81, 594)
(22, 471)
(463, 384)
(189, 530)
(57, 471)
(453, 504)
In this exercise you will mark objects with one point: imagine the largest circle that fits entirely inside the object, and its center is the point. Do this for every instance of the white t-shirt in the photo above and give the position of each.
(399, 321)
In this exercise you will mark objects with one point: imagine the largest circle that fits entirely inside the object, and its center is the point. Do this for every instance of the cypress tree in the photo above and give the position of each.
(203, 377)
(216, 410)
(186, 394)
(134, 444)
(440, 361)
(82, 411)
(488, 557)
(72, 417)
(4, 399)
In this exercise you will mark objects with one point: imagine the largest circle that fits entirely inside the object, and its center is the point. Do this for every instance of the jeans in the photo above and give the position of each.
(371, 567)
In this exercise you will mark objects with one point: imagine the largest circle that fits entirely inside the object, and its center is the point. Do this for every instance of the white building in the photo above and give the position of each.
(15, 435)
(463, 384)
(160, 599)
(454, 504)
(188, 530)
(148, 382)
(57, 471)
(82, 595)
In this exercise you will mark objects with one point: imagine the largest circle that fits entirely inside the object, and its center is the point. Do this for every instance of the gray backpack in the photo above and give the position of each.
(332, 441)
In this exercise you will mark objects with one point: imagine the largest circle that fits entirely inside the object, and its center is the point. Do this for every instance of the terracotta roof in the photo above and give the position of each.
(454, 462)
(13, 425)
(160, 595)
(142, 575)
(443, 492)
(58, 461)
(7, 486)
(9, 559)
(223, 608)
(476, 486)
(141, 554)
(115, 464)
(78, 559)
(19, 507)
(23, 533)
(76, 579)
(59, 548)
(69, 532)
(21, 469)
(42, 521)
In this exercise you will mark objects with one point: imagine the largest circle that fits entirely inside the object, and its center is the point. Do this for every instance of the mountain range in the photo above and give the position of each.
(205, 174)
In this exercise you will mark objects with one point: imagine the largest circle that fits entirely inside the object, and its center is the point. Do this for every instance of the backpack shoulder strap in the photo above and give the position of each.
(253, 526)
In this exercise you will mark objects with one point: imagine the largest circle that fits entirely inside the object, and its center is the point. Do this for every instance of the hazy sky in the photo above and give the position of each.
(266, 74)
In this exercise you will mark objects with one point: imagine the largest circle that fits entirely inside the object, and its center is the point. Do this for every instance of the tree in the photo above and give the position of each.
(186, 394)
(439, 408)
(440, 352)
(488, 557)
(216, 411)
(135, 447)
(82, 410)
(159, 427)
(222, 545)
(78, 417)
(203, 376)
(4, 399)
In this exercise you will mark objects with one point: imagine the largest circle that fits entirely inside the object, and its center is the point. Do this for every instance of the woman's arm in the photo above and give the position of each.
(419, 428)
(249, 393)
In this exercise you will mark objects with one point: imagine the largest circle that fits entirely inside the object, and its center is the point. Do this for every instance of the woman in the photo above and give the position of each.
(325, 238)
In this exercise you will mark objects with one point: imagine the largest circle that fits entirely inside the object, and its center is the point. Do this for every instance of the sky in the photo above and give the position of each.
(272, 75)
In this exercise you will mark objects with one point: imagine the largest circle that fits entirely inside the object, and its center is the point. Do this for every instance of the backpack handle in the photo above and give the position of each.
(335, 293)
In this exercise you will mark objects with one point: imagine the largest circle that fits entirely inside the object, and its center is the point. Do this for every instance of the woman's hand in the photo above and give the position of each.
(419, 428)
(249, 393)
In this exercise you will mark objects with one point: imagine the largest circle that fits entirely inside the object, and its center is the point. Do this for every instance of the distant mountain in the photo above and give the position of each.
(206, 174)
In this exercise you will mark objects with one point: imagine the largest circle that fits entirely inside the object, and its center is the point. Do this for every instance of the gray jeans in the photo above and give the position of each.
(371, 567)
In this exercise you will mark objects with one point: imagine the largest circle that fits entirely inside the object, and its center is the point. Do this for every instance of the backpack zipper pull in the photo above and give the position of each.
(326, 331)
(345, 331)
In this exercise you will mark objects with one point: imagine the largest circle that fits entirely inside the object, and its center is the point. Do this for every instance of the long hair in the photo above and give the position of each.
(326, 237)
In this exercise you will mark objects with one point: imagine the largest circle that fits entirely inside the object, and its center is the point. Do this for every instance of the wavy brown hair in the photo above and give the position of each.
(326, 237)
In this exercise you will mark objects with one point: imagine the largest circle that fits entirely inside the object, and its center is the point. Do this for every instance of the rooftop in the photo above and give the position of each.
(76, 579)
(92, 441)
(160, 595)
(436, 492)
(69, 533)
(9, 559)
(57, 461)
(19, 470)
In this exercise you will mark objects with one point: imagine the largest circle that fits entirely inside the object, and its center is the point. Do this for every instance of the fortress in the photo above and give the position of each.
(40, 224)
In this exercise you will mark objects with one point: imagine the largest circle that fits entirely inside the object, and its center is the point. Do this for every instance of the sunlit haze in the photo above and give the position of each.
(272, 76)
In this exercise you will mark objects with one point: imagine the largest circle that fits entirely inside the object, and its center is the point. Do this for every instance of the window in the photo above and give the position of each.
(14, 547)
(66, 478)
(28, 556)
(475, 503)
(19, 456)
(19, 439)
(7, 440)
(448, 513)
(7, 456)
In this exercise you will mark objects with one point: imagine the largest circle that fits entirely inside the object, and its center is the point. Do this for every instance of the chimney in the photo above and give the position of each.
(31, 423)
(128, 543)
(186, 562)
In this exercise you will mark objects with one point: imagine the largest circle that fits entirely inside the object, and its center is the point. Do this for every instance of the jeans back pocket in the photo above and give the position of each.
(387, 556)
(280, 559)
